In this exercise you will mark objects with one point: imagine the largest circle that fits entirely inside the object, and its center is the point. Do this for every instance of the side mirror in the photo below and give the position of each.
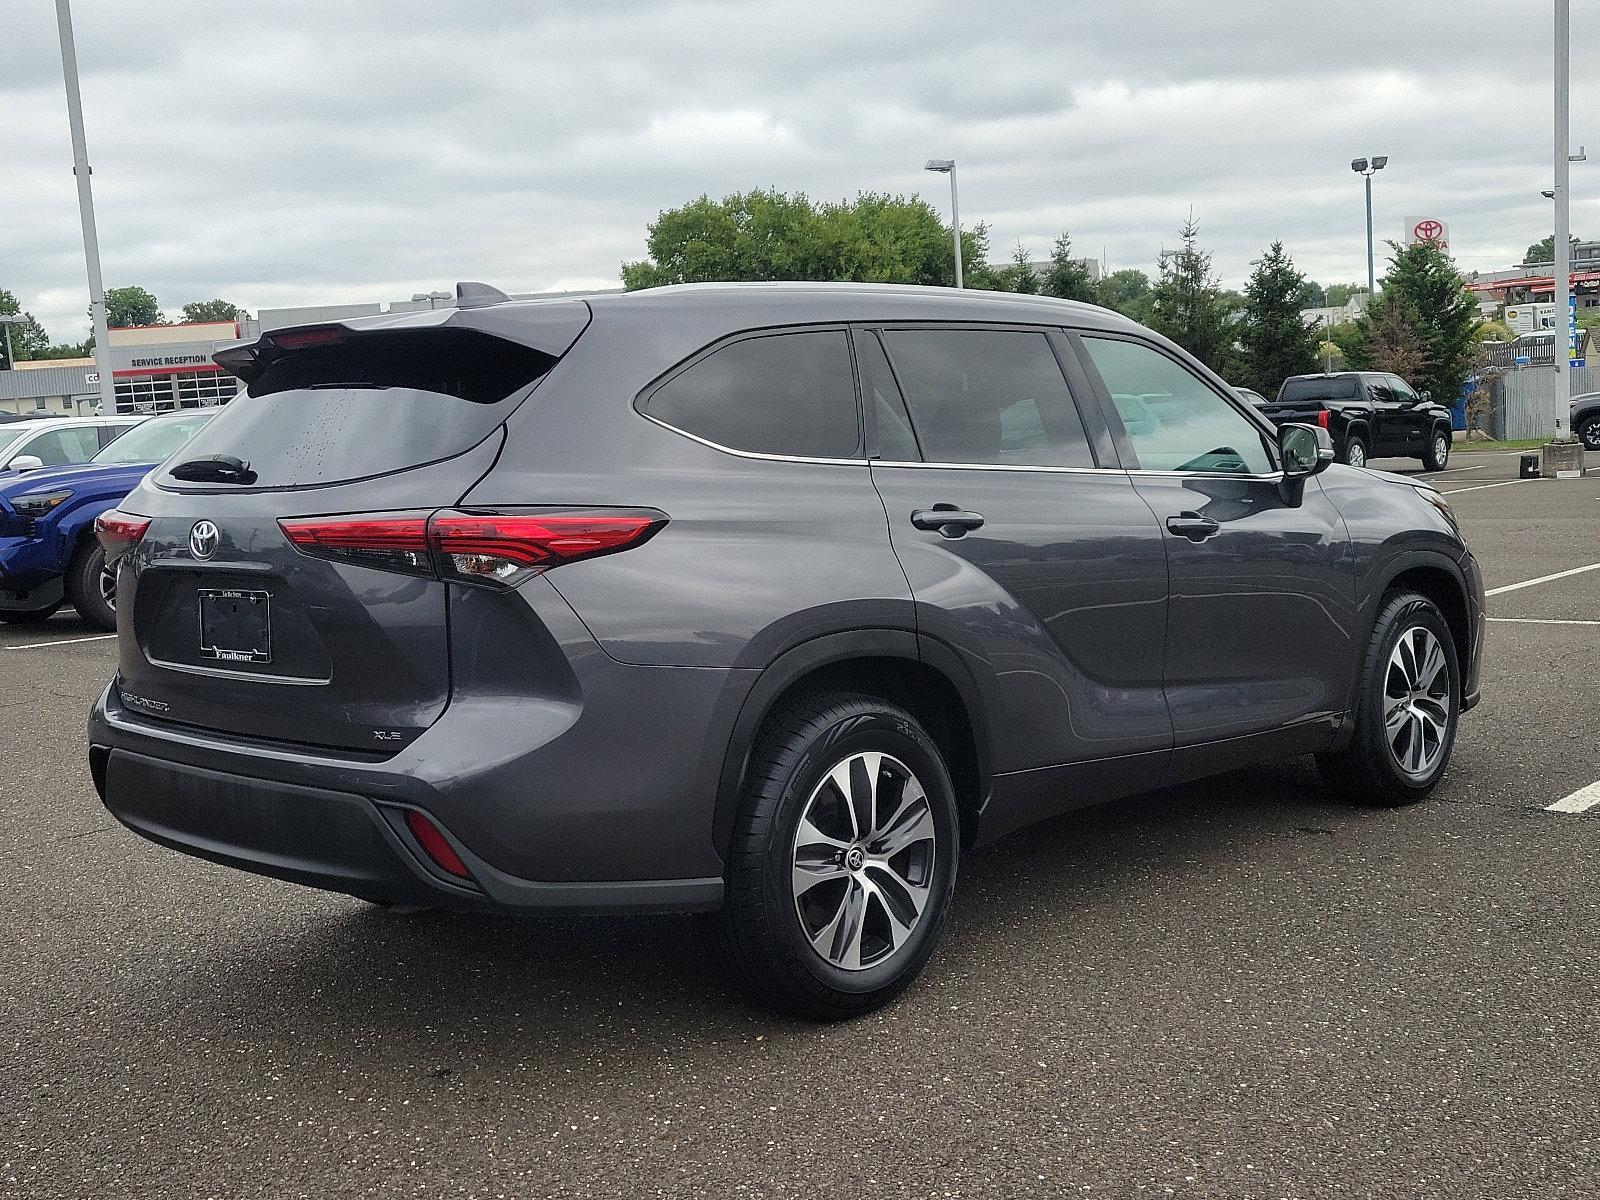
(1425, 396)
(1304, 450)
(25, 462)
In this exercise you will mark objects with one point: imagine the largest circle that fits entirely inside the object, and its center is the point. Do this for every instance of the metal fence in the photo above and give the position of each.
(1523, 405)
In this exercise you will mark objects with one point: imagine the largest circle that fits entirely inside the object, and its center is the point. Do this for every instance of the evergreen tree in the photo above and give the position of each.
(1067, 277)
(1187, 305)
(1392, 342)
(1274, 342)
(1020, 275)
(1126, 291)
(28, 339)
(1429, 293)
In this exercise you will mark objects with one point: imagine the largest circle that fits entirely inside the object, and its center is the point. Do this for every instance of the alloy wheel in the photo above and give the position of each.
(863, 861)
(1417, 702)
(107, 582)
(1357, 455)
(1590, 435)
(1441, 450)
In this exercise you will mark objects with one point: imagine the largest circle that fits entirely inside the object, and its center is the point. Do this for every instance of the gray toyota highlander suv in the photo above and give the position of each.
(765, 600)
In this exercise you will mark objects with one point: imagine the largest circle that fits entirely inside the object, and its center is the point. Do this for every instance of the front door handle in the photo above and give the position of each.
(1192, 526)
(950, 521)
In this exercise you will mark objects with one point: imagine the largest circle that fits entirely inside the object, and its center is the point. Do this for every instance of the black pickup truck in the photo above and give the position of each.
(1369, 415)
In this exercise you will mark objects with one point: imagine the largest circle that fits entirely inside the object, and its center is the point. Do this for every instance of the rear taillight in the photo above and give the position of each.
(496, 548)
(118, 530)
(1322, 418)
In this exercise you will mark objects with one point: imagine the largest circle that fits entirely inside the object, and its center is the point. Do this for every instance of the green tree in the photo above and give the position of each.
(1311, 295)
(132, 305)
(28, 340)
(1126, 291)
(1337, 295)
(1423, 283)
(769, 235)
(1544, 250)
(1020, 275)
(1274, 342)
(212, 310)
(1188, 306)
(1067, 278)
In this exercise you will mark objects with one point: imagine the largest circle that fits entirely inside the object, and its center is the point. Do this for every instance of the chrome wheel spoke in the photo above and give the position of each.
(860, 892)
(1418, 701)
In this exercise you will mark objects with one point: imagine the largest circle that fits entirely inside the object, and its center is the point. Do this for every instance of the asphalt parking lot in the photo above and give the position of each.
(1237, 989)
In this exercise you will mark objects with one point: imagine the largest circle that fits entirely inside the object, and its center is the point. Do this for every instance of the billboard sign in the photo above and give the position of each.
(1428, 229)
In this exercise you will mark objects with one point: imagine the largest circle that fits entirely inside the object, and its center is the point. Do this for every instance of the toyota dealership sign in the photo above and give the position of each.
(1428, 229)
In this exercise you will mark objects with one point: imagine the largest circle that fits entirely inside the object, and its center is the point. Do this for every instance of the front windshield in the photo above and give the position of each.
(154, 440)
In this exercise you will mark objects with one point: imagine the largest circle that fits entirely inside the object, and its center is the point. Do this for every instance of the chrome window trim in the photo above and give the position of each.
(950, 466)
(754, 454)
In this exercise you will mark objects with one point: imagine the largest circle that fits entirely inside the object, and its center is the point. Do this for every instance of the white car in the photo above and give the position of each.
(58, 441)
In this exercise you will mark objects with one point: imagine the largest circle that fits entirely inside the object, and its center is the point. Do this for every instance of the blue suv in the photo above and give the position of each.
(48, 551)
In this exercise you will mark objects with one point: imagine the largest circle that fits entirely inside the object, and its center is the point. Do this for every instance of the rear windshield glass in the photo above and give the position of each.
(1346, 387)
(379, 403)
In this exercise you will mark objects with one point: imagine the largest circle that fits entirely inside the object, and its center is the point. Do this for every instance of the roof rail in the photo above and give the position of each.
(477, 295)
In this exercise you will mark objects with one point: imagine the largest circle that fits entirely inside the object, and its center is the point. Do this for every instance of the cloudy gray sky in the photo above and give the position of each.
(300, 151)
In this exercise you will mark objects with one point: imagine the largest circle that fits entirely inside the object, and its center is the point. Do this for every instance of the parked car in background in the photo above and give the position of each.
(1585, 419)
(770, 600)
(1250, 396)
(48, 551)
(1369, 414)
(56, 441)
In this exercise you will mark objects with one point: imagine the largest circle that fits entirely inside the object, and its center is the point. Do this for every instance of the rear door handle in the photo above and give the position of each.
(1192, 526)
(950, 521)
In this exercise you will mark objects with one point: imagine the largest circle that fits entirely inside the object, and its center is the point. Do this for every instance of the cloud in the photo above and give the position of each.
(297, 151)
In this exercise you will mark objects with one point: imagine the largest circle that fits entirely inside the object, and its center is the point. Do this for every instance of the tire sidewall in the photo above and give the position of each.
(1589, 434)
(1414, 611)
(1436, 461)
(85, 587)
(871, 728)
(1351, 444)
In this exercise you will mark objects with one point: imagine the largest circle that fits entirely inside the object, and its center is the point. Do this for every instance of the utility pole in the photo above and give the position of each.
(947, 166)
(91, 243)
(1563, 250)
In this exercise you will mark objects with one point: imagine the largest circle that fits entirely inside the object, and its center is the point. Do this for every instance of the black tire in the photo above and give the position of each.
(1355, 451)
(1369, 770)
(760, 933)
(1438, 453)
(1589, 433)
(28, 618)
(83, 586)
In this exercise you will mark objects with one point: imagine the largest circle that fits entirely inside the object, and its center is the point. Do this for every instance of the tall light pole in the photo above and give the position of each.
(947, 166)
(1366, 169)
(1563, 251)
(8, 320)
(91, 243)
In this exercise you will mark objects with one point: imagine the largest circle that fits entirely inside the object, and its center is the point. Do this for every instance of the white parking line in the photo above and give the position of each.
(99, 637)
(1581, 800)
(1513, 587)
(1478, 487)
(1453, 470)
(1538, 621)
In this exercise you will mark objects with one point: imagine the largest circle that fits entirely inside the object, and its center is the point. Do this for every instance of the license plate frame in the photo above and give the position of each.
(235, 625)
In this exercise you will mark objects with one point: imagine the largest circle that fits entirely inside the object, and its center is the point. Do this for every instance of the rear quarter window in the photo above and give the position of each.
(1346, 388)
(788, 393)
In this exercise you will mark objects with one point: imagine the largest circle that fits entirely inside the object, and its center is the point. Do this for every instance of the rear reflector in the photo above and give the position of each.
(495, 548)
(118, 530)
(435, 845)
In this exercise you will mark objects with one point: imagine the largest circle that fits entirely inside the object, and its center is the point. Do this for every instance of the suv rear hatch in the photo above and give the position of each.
(227, 624)
(1302, 398)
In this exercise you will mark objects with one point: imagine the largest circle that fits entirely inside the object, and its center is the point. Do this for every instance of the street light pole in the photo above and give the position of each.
(947, 166)
(1363, 167)
(1563, 251)
(91, 243)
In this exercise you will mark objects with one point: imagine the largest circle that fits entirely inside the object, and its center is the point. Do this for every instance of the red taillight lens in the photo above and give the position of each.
(1322, 418)
(304, 339)
(397, 542)
(506, 548)
(435, 845)
(118, 530)
(475, 547)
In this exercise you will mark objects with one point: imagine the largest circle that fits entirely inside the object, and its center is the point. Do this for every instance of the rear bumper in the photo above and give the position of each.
(337, 841)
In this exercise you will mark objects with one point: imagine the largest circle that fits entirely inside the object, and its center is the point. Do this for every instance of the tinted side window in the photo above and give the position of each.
(896, 441)
(1175, 421)
(1379, 391)
(1402, 389)
(785, 393)
(988, 396)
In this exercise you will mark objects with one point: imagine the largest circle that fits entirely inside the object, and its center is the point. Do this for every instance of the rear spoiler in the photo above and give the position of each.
(548, 326)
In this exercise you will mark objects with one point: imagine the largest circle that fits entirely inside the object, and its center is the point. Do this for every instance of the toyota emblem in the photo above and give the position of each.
(203, 539)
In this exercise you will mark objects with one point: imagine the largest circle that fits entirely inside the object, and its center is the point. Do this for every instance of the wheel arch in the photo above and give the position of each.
(930, 684)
